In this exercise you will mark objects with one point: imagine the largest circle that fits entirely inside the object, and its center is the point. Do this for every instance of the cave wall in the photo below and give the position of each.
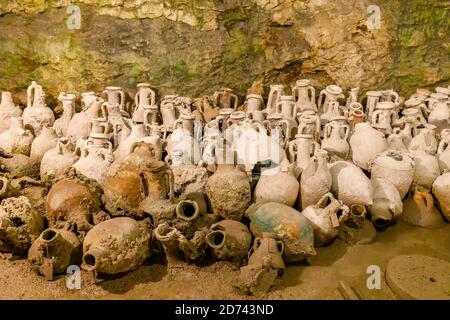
(193, 47)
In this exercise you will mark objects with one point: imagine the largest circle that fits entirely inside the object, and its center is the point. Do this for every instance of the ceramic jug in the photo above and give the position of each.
(17, 139)
(278, 127)
(45, 141)
(115, 96)
(387, 204)
(315, 180)
(205, 105)
(276, 91)
(326, 216)
(57, 160)
(137, 133)
(7, 110)
(425, 140)
(95, 160)
(328, 96)
(333, 110)
(168, 112)
(37, 114)
(253, 105)
(144, 97)
(440, 115)
(61, 124)
(352, 97)
(305, 96)
(335, 138)
(80, 124)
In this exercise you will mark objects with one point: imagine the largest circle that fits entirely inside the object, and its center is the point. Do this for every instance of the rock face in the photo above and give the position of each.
(197, 46)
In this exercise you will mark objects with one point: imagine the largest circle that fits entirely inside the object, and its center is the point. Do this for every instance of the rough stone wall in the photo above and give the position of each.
(193, 47)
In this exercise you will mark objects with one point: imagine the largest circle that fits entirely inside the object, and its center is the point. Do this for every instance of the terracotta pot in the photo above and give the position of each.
(71, 202)
(276, 91)
(426, 169)
(326, 216)
(396, 167)
(387, 204)
(17, 139)
(61, 124)
(328, 97)
(383, 117)
(19, 165)
(80, 124)
(37, 114)
(352, 97)
(336, 134)
(228, 191)
(356, 229)
(287, 108)
(315, 180)
(419, 210)
(425, 140)
(59, 247)
(302, 149)
(286, 224)
(350, 184)
(117, 245)
(373, 97)
(225, 99)
(309, 123)
(366, 143)
(44, 142)
(8, 110)
(229, 240)
(145, 97)
(138, 132)
(441, 190)
(20, 224)
(253, 106)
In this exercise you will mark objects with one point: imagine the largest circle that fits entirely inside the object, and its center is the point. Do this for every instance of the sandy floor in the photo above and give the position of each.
(316, 279)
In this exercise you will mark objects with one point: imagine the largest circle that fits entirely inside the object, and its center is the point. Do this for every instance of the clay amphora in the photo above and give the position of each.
(443, 153)
(228, 191)
(278, 186)
(116, 245)
(71, 202)
(20, 224)
(61, 124)
(222, 118)
(366, 142)
(253, 106)
(355, 117)
(356, 229)
(441, 190)
(277, 127)
(37, 114)
(265, 265)
(7, 110)
(328, 96)
(396, 167)
(415, 108)
(383, 117)
(397, 140)
(350, 184)
(145, 97)
(182, 138)
(315, 180)
(276, 91)
(115, 96)
(19, 165)
(17, 139)
(284, 223)
(225, 99)
(124, 185)
(205, 105)
(305, 96)
(419, 210)
(229, 240)
(387, 204)
(309, 123)
(288, 110)
(46, 140)
(333, 110)
(138, 132)
(57, 160)
(326, 216)
(115, 115)
(302, 149)
(168, 112)
(56, 247)
(373, 98)
(425, 140)
(352, 97)
(426, 169)
(80, 124)
(434, 99)
(421, 94)
(95, 160)
(335, 138)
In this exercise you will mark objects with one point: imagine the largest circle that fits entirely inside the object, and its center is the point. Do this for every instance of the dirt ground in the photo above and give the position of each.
(318, 278)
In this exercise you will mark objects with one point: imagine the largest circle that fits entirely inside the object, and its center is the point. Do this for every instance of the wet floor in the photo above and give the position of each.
(318, 278)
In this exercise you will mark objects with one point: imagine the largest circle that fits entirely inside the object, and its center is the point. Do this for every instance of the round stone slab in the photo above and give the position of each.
(419, 277)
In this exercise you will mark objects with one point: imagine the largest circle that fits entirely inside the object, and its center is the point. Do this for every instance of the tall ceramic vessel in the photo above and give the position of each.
(8, 110)
(37, 114)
